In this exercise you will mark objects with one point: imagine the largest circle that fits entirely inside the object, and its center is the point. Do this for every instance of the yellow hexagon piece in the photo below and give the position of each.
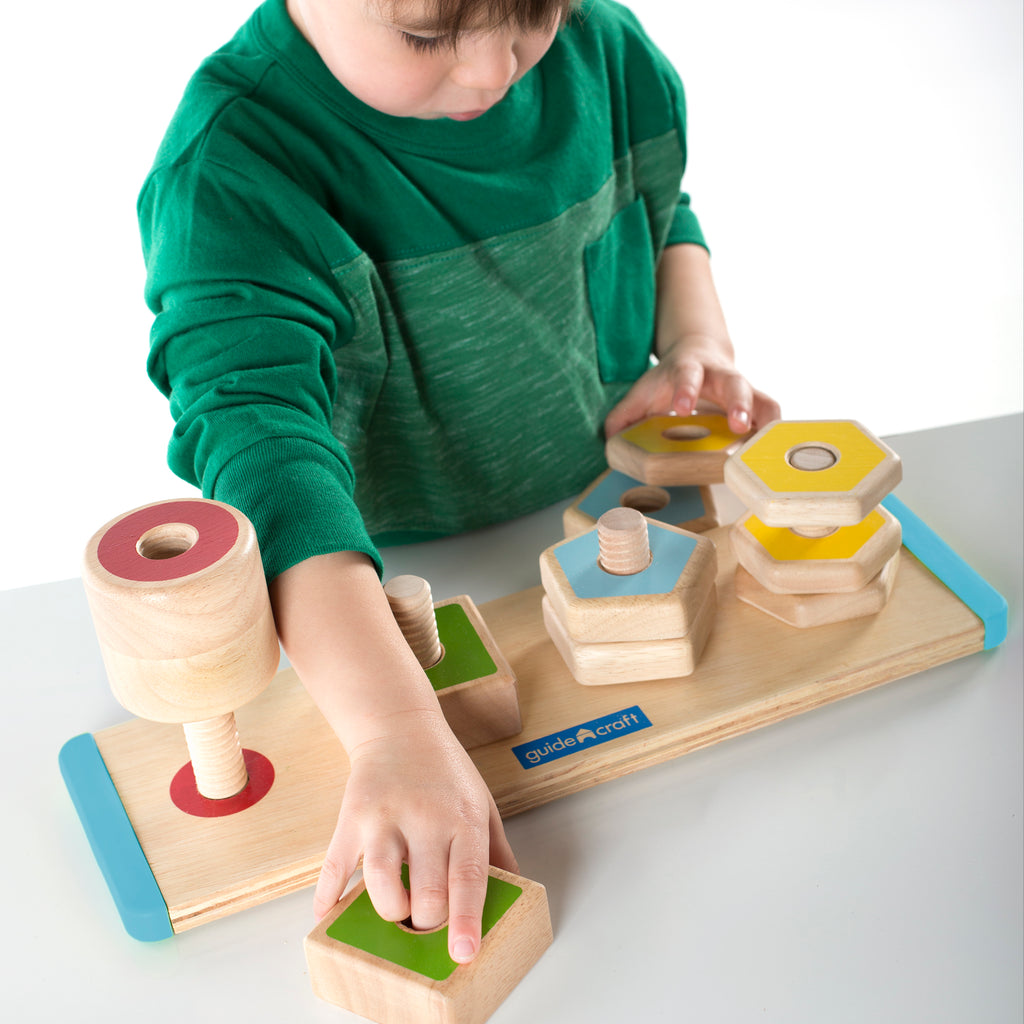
(804, 611)
(813, 473)
(844, 560)
(674, 450)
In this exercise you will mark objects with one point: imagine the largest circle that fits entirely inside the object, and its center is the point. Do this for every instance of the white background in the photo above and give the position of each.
(856, 167)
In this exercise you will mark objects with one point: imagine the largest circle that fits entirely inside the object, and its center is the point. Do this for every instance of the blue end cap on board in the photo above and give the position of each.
(944, 563)
(113, 841)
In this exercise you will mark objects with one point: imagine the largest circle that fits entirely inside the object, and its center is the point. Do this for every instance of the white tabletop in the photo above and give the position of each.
(862, 862)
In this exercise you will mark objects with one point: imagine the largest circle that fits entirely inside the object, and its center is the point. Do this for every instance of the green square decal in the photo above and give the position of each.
(465, 656)
(425, 953)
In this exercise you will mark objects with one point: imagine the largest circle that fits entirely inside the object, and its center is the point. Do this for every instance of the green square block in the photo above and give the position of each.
(425, 953)
(465, 656)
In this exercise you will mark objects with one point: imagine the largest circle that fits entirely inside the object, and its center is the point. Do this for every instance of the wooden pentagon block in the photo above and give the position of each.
(474, 682)
(632, 661)
(843, 560)
(813, 473)
(808, 610)
(689, 508)
(658, 603)
(674, 450)
(390, 974)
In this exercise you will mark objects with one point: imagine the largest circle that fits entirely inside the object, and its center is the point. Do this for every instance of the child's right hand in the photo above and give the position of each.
(414, 796)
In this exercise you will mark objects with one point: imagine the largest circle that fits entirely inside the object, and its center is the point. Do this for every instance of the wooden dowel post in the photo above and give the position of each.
(217, 759)
(413, 607)
(623, 542)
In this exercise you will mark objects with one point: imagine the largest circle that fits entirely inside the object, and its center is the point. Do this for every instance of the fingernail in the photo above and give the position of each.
(742, 417)
(463, 950)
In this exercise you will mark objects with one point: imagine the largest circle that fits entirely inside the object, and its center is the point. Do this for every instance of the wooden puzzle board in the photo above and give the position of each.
(755, 671)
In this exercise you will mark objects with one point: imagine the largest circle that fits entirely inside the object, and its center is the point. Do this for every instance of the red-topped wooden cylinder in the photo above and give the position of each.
(181, 609)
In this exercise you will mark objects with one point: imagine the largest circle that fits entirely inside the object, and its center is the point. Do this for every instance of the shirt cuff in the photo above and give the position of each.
(298, 496)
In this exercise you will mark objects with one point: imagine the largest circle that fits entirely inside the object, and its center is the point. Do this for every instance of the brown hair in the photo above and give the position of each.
(450, 17)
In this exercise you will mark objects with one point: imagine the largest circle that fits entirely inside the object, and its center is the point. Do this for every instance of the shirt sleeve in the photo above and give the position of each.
(685, 228)
(247, 321)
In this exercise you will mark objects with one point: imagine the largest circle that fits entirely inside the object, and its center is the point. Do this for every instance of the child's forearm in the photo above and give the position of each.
(695, 353)
(688, 305)
(413, 795)
(342, 639)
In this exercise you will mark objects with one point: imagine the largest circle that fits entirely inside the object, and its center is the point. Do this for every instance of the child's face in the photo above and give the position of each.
(397, 64)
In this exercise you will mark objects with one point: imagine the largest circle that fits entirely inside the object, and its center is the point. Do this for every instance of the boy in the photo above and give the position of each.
(407, 259)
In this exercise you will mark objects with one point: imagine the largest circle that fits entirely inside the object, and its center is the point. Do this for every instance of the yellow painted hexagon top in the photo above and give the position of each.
(711, 434)
(851, 452)
(786, 546)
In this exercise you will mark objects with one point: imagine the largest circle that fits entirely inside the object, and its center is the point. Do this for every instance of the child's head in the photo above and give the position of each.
(429, 58)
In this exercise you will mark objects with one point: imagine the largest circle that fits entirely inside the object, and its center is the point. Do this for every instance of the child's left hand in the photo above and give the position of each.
(696, 359)
(696, 370)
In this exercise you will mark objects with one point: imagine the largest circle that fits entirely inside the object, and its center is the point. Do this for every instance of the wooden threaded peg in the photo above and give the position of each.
(181, 610)
(413, 608)
(217, 759)
(622, 541)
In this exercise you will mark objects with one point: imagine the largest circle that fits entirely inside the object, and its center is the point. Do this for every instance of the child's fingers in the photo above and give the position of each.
(654, 392)
(382, 873)
(467, 889)
(501, 850)
(687, 384)
(428, 887)
(631, 408)
(765, 409)
(733, 394)
(339, 866)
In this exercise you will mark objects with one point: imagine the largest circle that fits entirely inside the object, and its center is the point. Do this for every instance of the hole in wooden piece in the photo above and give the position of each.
(646, 499)
(407, 926)
(812, 458)
(813, 532)
(168, 540)
(688, 432)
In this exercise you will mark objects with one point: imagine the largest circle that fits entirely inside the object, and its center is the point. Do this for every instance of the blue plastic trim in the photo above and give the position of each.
(940, 559)
(114, 843)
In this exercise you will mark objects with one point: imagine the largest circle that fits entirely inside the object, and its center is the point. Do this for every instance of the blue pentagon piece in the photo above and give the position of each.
(658, 603)
(690, 507)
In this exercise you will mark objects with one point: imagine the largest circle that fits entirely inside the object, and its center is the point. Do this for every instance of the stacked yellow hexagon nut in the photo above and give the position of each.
(630, 600)
(661, 466)
(674, 450)
(816, 546)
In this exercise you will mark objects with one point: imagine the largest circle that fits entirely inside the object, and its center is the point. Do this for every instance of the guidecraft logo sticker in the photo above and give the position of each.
(579, 737)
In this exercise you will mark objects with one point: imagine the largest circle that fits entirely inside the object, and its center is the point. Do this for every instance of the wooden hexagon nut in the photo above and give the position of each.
(690, 507)
(386, 972)
(813, 473)
(805, 611)
(839, 560)
(660, 602)
(674, 450)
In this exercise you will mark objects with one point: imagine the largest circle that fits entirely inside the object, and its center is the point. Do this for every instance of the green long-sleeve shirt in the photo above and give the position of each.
(372, 326)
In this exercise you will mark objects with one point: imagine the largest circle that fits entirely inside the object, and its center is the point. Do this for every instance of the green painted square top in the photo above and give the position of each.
(424, 953)
(465, 656)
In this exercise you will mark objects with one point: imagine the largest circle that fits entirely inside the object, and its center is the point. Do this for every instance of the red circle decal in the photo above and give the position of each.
(118, 551)
(187, 797)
